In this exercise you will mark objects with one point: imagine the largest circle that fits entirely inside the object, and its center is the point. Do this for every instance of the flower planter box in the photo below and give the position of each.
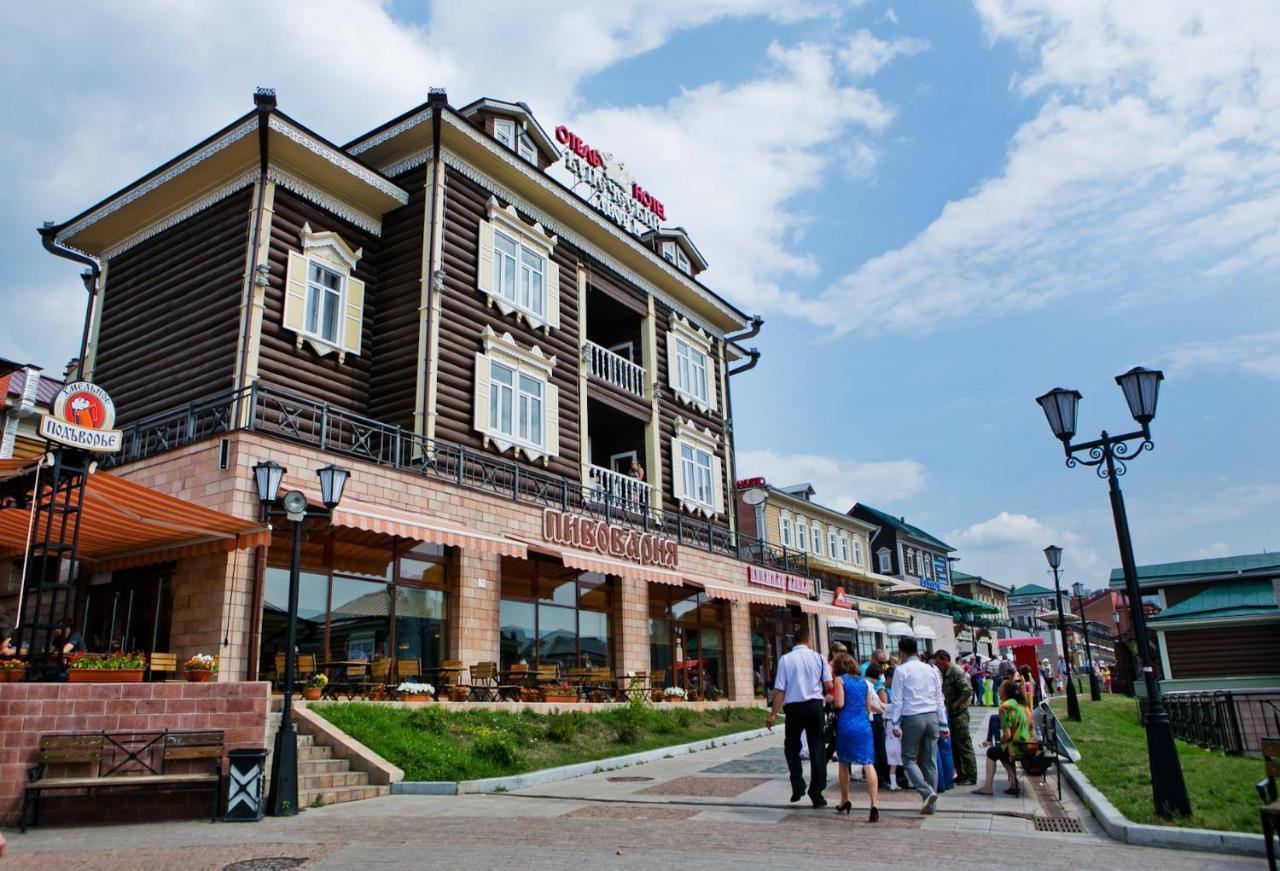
(312, 694)
(414, 697)
(104, 675)
(561, 700)
(198, 675)
(12, 675)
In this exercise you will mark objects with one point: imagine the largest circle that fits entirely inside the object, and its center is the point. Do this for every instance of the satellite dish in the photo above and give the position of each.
(754, 496)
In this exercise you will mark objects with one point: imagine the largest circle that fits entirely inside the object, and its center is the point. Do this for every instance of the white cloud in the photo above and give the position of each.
(1153, 163)
(1009, 548)
(1251, 354)
(839, 482)
(730, 178)
(866, 54)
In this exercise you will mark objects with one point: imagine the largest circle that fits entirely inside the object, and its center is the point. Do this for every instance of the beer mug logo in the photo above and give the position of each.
(86, 410)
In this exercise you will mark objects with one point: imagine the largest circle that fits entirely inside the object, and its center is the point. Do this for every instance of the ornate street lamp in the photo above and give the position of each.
(282, 795)
(1108, 455)
(1095, 691)
(1053, 554)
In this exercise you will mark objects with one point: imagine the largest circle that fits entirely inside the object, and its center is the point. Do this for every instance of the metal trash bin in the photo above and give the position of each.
(246, 784)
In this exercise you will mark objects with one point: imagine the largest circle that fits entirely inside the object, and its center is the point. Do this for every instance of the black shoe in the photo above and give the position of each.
(819, 801)
(844, 808)
(796, 796)
(875, 815)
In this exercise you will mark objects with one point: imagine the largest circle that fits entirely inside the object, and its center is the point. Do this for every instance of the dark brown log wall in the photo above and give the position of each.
(171, 312)
(465, 313)
(281, 362)
(669, 409)
(394, 371)
(1229, 651)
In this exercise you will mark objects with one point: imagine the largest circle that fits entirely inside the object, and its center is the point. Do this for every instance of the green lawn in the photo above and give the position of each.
(1113, 751)
(430, 743)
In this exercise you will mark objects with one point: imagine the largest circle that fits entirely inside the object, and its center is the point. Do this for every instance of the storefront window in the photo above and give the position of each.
(685, 638)
(553, 614)
(363, 596)
(773, 632)
(868, 643)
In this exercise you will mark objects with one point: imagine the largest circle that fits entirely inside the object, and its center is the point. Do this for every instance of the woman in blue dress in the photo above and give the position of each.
(855, 703)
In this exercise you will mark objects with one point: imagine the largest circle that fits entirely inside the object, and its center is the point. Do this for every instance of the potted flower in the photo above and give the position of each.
(200, 668)
(714, 694)
(411, 691)
(458, 694)
(656, 695)
(376, 693)
(675, 694)
(12, 670)
(314, 687)
(530, 694)
(561, 693)
(106, 668)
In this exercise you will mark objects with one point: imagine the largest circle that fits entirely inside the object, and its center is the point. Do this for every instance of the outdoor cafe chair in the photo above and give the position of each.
(516, 679)
(162, 663)
(484, 681)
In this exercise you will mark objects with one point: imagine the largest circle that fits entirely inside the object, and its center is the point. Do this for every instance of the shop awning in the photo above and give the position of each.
(590, 562)
(389, 521)
(821, 608)
(925, 632)
(126, 524)
(842, 623)
(750, 594)
(872, 624)
(900, 629)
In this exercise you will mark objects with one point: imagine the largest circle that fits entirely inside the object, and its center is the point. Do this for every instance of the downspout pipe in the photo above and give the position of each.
(754, 330)
(264, 99)
(49, 239)
(756, 323)
(438, 99)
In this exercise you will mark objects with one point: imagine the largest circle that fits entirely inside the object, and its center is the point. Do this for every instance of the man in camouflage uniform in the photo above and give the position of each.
(956, 692)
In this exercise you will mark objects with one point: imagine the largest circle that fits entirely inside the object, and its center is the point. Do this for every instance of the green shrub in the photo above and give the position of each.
(628, 733)
(429, 719)
(563, 728)
(497, 748)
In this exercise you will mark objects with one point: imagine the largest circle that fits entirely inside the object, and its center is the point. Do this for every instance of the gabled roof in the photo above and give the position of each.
(901, 525)
(959, 577)
(1244, 598)
(1202, 569)
(680, 236)
(1030, 590)
(802, 491)
(520, 110)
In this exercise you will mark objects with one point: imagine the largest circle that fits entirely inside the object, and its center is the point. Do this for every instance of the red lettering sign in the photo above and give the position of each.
(616, 541)
(779, 580)
(748, 483)
(579, 146)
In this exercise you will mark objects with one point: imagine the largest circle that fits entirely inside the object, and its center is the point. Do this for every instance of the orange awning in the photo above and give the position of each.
(389, 521)
(822, 608)
(594, 562)
(750, 594)
(126, 524)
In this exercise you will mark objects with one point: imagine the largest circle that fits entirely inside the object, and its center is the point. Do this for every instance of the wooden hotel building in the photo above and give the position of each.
(528, 383)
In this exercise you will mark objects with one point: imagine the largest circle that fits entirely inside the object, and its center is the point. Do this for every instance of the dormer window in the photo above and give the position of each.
(506, 131)
(673, 253)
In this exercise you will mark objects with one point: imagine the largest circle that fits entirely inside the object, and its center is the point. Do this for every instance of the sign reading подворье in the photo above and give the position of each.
(82, 417)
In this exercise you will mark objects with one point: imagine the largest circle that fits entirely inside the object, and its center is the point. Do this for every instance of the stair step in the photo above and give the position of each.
(332, 780)
(312, 751)
(307, 797)
(322, 766)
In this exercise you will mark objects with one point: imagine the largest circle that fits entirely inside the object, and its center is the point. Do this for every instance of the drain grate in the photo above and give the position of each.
(268, 863)
(628, 778)
(1059, 824)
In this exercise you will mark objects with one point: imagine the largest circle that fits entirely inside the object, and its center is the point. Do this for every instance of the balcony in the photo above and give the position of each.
(614, 369)
(618, 487)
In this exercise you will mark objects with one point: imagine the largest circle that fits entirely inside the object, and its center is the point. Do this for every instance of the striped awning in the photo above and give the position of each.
(125, 524)
(389, 521)
(590, 562)
(749, 594)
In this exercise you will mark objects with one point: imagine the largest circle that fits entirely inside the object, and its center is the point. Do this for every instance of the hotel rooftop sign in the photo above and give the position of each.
(612, 189)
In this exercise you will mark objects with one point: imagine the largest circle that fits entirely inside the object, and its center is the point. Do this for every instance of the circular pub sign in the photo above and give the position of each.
(83, 417)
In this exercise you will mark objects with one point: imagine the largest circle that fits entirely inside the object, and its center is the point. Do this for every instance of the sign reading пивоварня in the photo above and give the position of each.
(605, 539)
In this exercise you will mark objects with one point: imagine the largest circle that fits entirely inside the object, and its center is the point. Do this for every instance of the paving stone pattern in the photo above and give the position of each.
(717, 787)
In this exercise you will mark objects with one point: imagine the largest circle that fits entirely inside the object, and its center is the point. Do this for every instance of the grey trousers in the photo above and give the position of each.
(920, 751)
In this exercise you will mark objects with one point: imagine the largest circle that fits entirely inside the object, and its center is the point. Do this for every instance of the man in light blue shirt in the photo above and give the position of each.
(803, 680)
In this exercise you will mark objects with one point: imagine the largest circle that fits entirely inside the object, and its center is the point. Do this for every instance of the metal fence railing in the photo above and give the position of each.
(279, 413)
(1228, 720)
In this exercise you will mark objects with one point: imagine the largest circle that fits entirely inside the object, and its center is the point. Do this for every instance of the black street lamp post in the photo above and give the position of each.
(1108, 455)
(282, 794)
(1095, 691)
(1053, 554)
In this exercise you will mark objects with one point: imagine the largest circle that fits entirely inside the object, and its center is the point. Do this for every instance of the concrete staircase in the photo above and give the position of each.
(324, 779)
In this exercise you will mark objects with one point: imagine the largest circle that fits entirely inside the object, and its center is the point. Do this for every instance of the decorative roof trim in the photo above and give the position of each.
(414, 160)
(182, 214)
(325, 201)
(688, 430)
(513, 161)
(337, 158)
(391, 132)
(129, 196)
(312, 240)
(505, 344)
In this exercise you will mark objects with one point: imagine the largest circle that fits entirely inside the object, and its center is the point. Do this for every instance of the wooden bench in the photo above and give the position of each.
(130, 760)
(1267, 792)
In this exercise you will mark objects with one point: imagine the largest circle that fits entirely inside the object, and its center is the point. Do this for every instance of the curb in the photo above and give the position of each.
(1122, 829)
(565, 772)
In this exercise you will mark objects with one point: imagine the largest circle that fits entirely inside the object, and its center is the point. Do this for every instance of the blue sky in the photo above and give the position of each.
(941, 209)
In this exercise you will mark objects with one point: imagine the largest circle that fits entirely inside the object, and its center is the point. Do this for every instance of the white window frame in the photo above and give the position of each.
(884, 561)
(833, 544)
(697, 485)
(697, 472)
(844, 548)
(689, 355)
(315, 299)
(526, 149)
(818, 538)
(325, 250)
(784, 529)
(530, 243)
(802, 534)
(857, 551)
(526, 367)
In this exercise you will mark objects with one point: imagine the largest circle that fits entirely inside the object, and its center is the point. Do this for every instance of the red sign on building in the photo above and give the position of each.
(779, 580)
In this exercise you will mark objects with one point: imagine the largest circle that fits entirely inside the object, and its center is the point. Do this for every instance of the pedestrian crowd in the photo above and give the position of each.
(900, 722)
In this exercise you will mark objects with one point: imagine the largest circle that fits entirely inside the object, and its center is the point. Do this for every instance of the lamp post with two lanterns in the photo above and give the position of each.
(1108, 455)
(282, 795)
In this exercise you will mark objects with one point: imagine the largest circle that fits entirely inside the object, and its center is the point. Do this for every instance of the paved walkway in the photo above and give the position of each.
(725, 808)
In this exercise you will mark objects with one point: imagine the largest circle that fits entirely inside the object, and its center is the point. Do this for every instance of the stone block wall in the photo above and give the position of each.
(29, 710)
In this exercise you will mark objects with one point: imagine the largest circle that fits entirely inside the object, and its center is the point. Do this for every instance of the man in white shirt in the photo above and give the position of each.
(804, 678)
(919, 718)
